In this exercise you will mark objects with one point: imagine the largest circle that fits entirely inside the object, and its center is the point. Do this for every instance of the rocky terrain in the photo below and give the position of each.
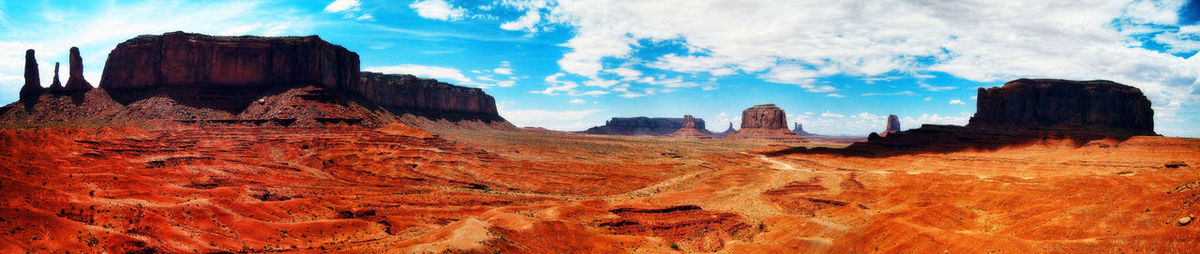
(189, 78)
(766, 122)
(688, 130)
(643, 126)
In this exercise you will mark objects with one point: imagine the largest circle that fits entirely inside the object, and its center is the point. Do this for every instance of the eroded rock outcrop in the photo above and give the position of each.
(75, 82)
(765, 122)
(688, 129)
(642, 126)
(799, 130)
(426, 97)
(727, 131)
(56, 86)
(187, 59)
(1099, 106)
(33, 84)
(1025, 111)
(893, 126)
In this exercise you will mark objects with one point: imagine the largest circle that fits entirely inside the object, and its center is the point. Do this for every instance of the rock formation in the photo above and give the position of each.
(75, 82)
(799, 130)
(893, 126)
(1024, 111)
(643, 126)
(688, 129)
(1098, 106)
(33, 84)
(426, 97)
(765, 122)
(728, 131)
(56, 86)
(186, 59)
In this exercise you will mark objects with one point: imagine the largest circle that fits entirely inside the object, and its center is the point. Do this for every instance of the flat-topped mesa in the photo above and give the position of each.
(187, 59)
(75, 82)
(1054, 105)
(688, 129)
(426, 97)
(56, 86)
(643, 126)
(33, 83)
(765, 122)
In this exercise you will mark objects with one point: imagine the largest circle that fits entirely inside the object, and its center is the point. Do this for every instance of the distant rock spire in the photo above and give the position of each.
(33, 83)
(893, 125)
(56, 87)
(75, 82)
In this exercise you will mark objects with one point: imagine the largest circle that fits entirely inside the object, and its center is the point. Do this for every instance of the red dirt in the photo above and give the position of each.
(353, 189)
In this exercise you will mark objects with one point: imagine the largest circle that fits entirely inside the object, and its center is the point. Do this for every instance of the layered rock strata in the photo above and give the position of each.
(643, 126)
(688, 129)
(187, 59)
(426, 97)
(764, 122)
(1098, 106)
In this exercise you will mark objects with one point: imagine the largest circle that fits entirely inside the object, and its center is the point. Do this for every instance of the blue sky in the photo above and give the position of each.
(839, 68)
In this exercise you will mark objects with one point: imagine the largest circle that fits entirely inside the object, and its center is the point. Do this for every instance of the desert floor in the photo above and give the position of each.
(402, 189)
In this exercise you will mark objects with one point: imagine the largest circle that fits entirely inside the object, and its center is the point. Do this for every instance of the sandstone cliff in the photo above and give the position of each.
(1098, 106)
(764, 122)
(426, 97)
(688, 129)
(642, 126)
(187, 59)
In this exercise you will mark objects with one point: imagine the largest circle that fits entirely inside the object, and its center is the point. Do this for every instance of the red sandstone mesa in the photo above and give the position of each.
(689, 129)
(1098, 106)
(765, 122)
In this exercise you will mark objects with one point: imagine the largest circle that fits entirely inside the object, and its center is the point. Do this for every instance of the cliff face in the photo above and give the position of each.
(657, 126)
(764, 122)
(1089, 106)
(186, 59)
(427, 97)
(688, 129)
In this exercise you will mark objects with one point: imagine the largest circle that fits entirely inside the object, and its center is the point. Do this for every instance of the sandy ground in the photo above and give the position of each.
(401, 189)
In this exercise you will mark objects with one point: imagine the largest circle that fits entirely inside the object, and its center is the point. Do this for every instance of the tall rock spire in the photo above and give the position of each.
(75, 82)
(33, 83)
(56, 87)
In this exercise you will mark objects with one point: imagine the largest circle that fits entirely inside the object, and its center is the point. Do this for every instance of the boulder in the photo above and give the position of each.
(1098, 107)
(893, 126)
(75, 82)
(426, 97)
(56, 87)
(764, 122)
(187, 59)
(1184, 221)
(33, 84)
(688, 129)
(643, 126)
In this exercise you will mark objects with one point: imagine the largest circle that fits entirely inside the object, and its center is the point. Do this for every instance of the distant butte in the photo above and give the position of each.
(688, 130)
(643, 126)
(764, 121)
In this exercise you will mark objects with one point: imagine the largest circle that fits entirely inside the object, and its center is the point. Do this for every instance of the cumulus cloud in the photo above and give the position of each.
(796, 42)
(437, 9)
(424, 71)
(957, 101)
(350, 9)
(577, 101)
(568, 120)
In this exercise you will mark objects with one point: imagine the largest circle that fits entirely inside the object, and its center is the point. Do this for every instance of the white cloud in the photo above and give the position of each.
(438, 9)
(864, 123)
(834, 95)
(795, 42)
(525, 22)
(503, 70)
(928, 99)
(957, 101)
(424, 71)
(577, 101)
(893, 93)
(933, 88)
(343, 6)
(570, 120)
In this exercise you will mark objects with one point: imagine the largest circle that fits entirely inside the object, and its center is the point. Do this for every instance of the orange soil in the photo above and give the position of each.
(404, 189)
